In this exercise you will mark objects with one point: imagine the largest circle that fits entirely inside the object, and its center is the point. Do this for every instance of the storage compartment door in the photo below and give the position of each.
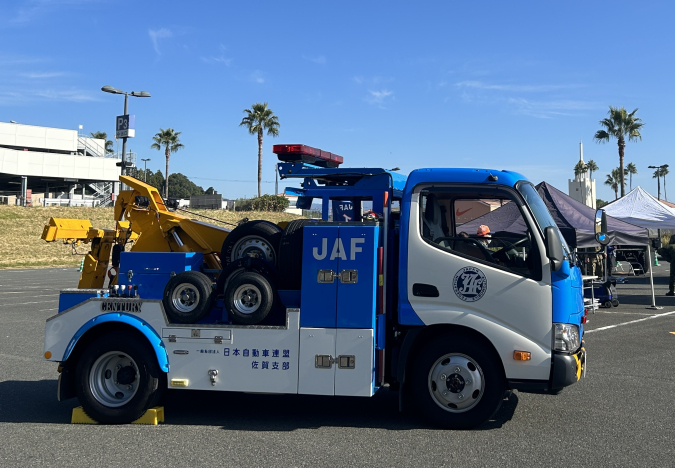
(316, 372)
(355, 363)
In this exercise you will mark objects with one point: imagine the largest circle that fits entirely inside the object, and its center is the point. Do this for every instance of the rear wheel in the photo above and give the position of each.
(118, 379)
(257, 239)
(290, 254)
(187, 297)
(249, 298)
(457, 384)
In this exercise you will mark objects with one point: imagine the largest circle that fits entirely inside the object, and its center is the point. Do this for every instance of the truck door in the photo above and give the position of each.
(463, 271)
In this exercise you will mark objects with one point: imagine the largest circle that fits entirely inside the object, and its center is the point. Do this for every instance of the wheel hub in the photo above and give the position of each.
(456, 382)
(112, 379)
(247, 298)
(185, 297)
(126, 375)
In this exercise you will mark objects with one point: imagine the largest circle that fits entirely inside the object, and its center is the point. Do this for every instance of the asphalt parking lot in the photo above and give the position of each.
(621, 414)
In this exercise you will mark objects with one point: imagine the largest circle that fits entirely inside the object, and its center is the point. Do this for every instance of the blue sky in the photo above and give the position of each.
(507, 85)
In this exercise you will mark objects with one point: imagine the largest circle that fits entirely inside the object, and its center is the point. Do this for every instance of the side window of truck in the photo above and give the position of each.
(488, 230)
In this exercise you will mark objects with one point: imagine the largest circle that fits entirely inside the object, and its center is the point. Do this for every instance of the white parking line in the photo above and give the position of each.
(628, 323)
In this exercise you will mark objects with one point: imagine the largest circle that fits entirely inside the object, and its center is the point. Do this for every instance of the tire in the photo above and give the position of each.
(249, 298)
(258, 239)
(607, 304)
(457, 400)
(615, 303)
(290, 255)
(187, 297)
(246, 264)
(118, 379)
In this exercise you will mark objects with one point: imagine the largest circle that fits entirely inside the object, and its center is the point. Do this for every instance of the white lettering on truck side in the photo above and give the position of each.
(355, 249)
(339, 249)
(324, 250)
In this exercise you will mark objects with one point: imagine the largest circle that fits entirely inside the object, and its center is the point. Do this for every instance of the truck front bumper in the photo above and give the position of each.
(568, 368)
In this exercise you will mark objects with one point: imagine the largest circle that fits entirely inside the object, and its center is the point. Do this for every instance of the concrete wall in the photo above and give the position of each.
(29, 163)
(30, 136)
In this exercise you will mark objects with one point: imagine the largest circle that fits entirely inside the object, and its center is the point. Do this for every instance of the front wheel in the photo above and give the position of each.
(456, 383)
(118, 379)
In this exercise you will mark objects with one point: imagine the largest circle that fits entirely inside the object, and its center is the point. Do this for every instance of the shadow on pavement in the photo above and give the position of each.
(23, 401)
(35, 402)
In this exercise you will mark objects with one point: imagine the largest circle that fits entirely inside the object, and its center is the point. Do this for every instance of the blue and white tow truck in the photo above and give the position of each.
(401, 297)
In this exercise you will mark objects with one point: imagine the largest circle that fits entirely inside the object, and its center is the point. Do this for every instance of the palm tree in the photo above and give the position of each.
(258, 118)
(657, 176)
(579, 169)
(619, 125)
(631, 170)
(169, 139)
(661, 171)
(613, 184)
(104, 136)
(592, 167)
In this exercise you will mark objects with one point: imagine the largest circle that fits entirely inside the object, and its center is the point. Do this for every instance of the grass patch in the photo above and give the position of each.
(21, 228)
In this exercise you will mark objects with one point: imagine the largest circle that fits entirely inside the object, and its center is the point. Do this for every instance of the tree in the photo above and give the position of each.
(614, 179)
(579, 169)
(258, 119)
(104, 136)
(631, 170)
(169, 139)
(599, 203)
(182, 187)
(620, 125)
(662, 171)
(592, 167)
(613, 184)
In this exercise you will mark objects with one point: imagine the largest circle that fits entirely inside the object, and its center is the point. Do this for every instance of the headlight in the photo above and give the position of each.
(566, 337)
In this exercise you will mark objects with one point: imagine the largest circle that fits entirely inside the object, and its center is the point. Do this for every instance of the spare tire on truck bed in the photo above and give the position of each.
(290, 255)
(258, 239)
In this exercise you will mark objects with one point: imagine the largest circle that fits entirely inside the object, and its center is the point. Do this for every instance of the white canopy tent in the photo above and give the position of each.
(640, 208)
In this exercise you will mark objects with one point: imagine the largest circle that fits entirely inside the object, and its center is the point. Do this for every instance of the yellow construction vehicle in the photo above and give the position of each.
(142, 218)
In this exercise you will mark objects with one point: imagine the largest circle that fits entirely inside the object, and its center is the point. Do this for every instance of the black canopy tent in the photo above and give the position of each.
(575, 220)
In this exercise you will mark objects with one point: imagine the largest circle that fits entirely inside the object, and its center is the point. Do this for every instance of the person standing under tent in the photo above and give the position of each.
(611, 259)
(668, 254)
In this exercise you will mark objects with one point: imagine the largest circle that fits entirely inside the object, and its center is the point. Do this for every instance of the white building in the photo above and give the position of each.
(57, 163)
(582, 188)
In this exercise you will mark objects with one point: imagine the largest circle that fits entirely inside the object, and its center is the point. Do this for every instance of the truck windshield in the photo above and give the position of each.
(541, 214)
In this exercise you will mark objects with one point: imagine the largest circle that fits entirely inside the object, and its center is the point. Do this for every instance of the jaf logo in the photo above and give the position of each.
(470, 284)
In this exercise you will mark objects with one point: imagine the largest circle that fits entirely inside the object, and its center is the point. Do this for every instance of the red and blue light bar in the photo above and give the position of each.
(307, 154)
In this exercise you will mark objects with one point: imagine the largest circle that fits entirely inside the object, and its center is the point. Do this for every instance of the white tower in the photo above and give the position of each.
(582, 188)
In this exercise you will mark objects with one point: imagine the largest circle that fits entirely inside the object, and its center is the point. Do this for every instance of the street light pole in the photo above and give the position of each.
(124, 140)
(145, 169)
(110, 89)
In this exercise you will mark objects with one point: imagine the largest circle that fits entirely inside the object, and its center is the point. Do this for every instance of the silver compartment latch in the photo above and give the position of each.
(349, 276)
(213, 373)
(172, 338)
(326, 276)
(346, 362)
(195, 333)
(323, 361)
(326, 361)
(130, 274)
(218, 339)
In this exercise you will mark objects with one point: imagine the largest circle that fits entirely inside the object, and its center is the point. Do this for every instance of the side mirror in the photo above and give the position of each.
(554, 250)
(601, 227)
